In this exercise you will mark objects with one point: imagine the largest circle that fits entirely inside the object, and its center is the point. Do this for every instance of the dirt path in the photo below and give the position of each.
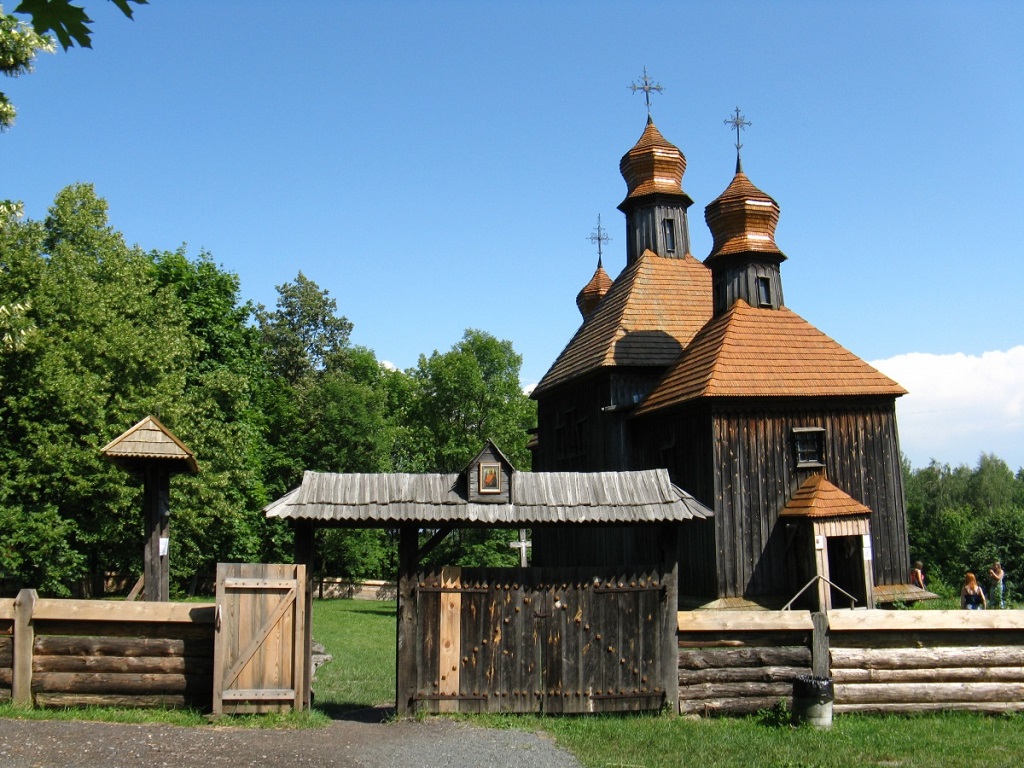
(403, 744)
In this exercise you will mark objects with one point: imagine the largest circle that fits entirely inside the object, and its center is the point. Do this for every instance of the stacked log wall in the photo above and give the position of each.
(73, 653)
(739, 662)
(919, 661)
(882, 662)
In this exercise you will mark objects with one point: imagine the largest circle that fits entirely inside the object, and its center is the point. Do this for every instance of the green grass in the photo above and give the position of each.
(360, 636)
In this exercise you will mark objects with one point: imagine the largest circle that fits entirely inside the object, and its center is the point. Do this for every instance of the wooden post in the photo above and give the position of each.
(405, 651)
(450, 638)
(821, 665)
(670, 617)
(157, 508)
(24, 640)
(305, 553)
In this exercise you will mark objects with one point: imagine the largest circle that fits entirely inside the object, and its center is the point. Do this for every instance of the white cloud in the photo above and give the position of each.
(960, 406)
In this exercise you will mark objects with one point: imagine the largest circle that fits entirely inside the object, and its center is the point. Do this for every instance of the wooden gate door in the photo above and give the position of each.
(541, 640)
(259, 658)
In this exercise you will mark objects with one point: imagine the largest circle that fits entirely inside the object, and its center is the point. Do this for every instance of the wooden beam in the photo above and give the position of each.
(820, 659)
(727, 621)
(907, 621)
(305, 553)
(450, 638)
(108, 610)
(669, 650)
(429, 547)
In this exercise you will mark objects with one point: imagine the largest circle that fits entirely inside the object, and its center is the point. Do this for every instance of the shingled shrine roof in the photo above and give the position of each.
(654, 164)
(748, 352)
(652, 310)
(536, 498)
(742, 220)
(817, 497)
(149, 440)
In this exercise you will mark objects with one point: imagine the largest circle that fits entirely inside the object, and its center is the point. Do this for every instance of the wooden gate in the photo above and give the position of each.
(259, 659)
(542, 640)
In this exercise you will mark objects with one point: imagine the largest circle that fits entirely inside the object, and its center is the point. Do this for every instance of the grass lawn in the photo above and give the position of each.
(361, 637)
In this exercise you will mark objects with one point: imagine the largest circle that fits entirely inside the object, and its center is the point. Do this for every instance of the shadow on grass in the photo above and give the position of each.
(356, 713)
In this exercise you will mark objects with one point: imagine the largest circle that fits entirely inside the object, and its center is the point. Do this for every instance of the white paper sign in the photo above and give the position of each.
(867, 546)
(819, 542)
(165, 544)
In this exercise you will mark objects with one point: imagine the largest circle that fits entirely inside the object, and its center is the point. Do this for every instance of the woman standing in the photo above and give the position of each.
(972, 597)
(997, 574)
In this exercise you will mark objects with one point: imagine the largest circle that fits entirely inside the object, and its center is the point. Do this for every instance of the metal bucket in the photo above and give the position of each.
(812, 701)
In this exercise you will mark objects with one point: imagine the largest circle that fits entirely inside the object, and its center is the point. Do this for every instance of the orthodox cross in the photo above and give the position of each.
(646, 85)
(739, 122)
(522, 545)
(600, 237)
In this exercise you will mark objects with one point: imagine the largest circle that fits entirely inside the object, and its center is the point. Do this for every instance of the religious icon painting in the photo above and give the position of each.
(490, 477)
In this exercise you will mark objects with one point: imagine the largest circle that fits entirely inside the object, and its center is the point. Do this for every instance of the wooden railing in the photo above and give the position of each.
(95, 652)
(735, 662)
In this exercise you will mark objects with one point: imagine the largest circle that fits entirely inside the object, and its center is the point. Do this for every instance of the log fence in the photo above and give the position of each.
(60, 653)
(738, 662)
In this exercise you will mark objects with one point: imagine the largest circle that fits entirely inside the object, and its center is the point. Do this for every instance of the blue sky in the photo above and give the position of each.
(440, 166)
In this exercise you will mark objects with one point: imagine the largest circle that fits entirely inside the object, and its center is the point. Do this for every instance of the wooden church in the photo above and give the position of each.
(700, 368)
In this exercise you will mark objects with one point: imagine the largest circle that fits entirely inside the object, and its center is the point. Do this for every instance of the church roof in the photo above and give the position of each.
(591, 294)
(817, 497)
(742, 220)
(654, 164)
(646, 496)
(748, 352)
(652, 310)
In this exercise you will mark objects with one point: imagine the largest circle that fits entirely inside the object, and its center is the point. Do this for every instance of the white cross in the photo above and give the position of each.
(522, 545)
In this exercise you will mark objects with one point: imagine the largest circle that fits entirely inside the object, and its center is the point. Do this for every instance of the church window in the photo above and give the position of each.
(570, 448)
(764, 292)
(669, 229)
(809, 443)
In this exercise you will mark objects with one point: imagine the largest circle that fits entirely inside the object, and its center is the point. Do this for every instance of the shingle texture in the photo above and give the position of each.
(653, 165)
(652, 310)
(742, 220)
(748, 352)
(817, 497)
(149, 440)
(591, 294)
(536, 498)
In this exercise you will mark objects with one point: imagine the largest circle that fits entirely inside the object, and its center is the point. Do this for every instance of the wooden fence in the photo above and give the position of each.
(58, 653)
(737, 662)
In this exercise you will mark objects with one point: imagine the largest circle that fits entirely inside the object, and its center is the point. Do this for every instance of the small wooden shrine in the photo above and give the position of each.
(150, 450)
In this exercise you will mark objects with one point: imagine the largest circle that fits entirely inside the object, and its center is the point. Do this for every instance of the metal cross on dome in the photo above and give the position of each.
(600, 237)
(739, 122)
(647, 86)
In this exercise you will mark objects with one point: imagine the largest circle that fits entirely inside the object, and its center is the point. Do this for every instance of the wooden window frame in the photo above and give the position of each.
(809, 447)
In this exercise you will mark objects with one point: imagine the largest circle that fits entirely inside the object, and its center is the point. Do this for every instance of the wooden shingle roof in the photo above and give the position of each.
(147, 441)
(536, 498)
(653, 165)
(817, 497)
(748, 352)
(652, 310)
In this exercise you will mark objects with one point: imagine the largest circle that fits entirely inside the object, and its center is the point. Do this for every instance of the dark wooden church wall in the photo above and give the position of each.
(681, 443)
(756, 474)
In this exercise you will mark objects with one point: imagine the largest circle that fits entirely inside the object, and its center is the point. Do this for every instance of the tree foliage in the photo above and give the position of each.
(19, 45)
(961, 519)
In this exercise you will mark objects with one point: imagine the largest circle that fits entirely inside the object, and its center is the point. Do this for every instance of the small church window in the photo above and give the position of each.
(764, 292)
(809, 443)
(669, 229)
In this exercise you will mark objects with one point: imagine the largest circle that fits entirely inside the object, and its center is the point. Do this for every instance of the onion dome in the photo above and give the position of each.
(653, 165)
(592, 293)
(742, 220)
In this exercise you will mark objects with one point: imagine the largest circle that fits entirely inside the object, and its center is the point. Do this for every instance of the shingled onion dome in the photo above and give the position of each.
(654, 164)
(744, 258)
(592, 293)
(655, 204)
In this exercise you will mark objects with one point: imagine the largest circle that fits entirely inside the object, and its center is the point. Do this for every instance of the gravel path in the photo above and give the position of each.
(403, 744)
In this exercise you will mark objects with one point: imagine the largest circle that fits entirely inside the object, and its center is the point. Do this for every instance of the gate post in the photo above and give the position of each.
(405, 651)
(670, 617)
(24, 639)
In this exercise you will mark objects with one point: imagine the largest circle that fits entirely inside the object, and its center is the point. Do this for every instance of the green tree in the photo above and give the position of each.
(465, 396)
(70, 23)
(19, 45)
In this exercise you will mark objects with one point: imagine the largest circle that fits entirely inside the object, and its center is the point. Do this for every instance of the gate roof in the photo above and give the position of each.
(535, 498)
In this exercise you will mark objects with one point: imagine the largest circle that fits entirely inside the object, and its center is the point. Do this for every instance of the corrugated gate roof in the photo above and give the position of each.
(536, 498)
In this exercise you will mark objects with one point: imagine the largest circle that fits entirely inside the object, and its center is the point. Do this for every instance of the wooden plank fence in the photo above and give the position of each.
(60, 653)
(738, 662)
